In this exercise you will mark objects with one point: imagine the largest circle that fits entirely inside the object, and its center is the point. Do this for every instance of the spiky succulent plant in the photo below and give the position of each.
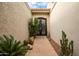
(11, 47)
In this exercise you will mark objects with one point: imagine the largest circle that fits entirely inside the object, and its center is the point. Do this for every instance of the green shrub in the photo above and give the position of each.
(66, 46)
(11, 47)
(33, 27)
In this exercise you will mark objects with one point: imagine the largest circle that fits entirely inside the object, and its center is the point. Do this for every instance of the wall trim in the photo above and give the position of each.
(55, 45)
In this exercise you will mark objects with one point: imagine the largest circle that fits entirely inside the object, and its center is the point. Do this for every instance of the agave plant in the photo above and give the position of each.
(11, 47)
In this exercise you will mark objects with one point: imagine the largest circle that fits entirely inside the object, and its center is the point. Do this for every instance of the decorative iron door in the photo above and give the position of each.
(42, 28)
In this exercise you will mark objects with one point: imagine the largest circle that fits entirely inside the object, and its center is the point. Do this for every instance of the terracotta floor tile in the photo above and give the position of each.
(42, 47)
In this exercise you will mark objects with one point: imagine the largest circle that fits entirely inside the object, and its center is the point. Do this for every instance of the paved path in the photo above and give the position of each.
(42, 47)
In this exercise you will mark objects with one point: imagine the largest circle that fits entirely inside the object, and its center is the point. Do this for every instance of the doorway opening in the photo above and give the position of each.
(42, 27)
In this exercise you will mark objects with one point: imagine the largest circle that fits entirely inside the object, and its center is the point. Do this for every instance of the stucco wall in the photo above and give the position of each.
(65, 16)
(14, 19)
(50, 5)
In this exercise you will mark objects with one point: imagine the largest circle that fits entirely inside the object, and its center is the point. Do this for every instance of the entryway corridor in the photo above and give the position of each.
(42, 47)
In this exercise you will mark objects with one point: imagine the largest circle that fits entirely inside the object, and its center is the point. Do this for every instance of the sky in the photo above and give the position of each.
(38, 4)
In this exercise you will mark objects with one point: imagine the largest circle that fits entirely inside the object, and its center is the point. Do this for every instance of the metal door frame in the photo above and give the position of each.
(45, 26)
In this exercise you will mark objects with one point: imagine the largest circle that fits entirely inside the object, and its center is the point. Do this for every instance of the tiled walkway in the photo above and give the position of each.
(42, 47)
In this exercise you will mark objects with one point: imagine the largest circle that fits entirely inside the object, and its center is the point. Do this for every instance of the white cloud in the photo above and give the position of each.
(38, 4)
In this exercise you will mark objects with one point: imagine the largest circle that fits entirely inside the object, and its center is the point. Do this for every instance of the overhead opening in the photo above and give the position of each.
(38, 4)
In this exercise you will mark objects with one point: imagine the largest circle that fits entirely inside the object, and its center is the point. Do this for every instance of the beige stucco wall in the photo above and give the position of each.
(50, 5)
(14, 19)
(36, 15)
(65, 16)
